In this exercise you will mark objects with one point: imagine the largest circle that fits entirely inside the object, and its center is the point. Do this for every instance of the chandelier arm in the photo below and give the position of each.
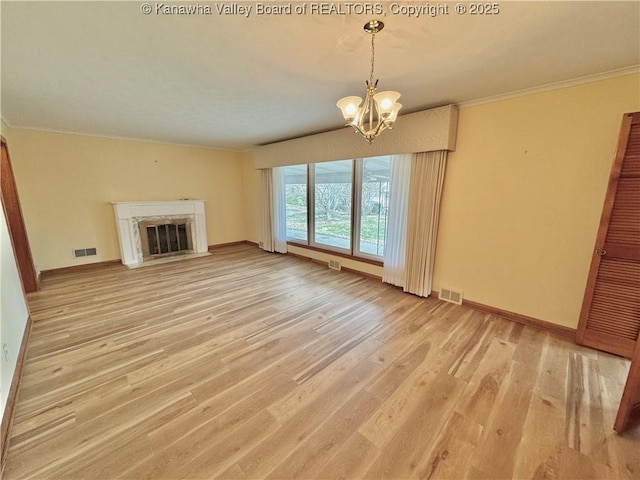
(371, 107)
(381, 127)
(358, 129)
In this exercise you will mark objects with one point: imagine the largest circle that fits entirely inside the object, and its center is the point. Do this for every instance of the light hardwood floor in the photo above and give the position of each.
(253, 365)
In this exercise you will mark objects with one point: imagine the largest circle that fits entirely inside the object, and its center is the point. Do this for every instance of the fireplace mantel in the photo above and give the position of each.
(130, 214)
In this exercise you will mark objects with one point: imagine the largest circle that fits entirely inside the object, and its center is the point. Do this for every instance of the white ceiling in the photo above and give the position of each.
(231, 82)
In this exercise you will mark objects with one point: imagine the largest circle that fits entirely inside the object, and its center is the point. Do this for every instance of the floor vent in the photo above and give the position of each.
(335, 264)
(452, 296)
(84, 252)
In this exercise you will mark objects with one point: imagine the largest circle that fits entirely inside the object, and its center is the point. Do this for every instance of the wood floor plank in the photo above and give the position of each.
(308, 459)
(353, 460)
(185, 440)
(266, 457)
(546, 421)
(42, 458)
(246, 365)
(400, 408)
(453, 451)
(504, 431)
(483, 388)
(111, 463)
(404, 453)
(320, 385)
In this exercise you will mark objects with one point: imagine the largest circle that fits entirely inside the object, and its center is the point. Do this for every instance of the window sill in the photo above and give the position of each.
(337, 254)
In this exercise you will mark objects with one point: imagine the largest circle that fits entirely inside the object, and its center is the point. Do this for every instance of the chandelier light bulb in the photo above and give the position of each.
(385, 101)
(349, 107)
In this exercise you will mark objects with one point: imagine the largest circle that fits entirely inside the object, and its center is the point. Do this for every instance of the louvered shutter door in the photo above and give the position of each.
(610, 317)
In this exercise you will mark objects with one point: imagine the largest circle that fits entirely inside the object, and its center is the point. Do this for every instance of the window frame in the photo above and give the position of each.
(295, 240)
(358, 185)
(353, 251)
(311, 187)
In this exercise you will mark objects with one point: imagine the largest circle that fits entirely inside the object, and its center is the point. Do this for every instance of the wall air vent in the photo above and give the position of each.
(449, 295)
(335, 264)
(84, 252)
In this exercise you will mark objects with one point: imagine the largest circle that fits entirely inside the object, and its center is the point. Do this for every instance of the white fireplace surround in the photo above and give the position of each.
(130, 214)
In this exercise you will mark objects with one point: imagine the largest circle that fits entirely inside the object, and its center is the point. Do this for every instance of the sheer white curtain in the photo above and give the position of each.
(393, 271)
(267, 209)
(425, 192)
(274, 221)
(279, 223)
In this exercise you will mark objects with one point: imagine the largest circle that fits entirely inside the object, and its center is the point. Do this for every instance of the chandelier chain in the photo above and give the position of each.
(373, 55)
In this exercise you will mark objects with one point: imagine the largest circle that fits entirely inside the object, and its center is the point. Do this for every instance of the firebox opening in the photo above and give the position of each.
(165, 238)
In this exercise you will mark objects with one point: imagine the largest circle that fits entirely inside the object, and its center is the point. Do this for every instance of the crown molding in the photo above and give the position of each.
(116, 137)
(621, 72)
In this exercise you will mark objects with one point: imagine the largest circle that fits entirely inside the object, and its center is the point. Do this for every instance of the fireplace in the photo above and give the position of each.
(165, 238)
(153, 231)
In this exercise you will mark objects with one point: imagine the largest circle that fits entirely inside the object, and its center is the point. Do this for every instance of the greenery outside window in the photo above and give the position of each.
(332, 204)
(295, 185)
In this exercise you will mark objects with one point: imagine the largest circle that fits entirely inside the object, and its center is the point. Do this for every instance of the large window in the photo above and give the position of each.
(340, 206)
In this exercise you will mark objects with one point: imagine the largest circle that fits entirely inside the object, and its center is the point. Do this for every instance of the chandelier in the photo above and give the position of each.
(361, 118)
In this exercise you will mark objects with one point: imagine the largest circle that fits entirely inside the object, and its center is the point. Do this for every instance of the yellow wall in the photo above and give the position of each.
(523, 195)
(66, 182)
(252, 184)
